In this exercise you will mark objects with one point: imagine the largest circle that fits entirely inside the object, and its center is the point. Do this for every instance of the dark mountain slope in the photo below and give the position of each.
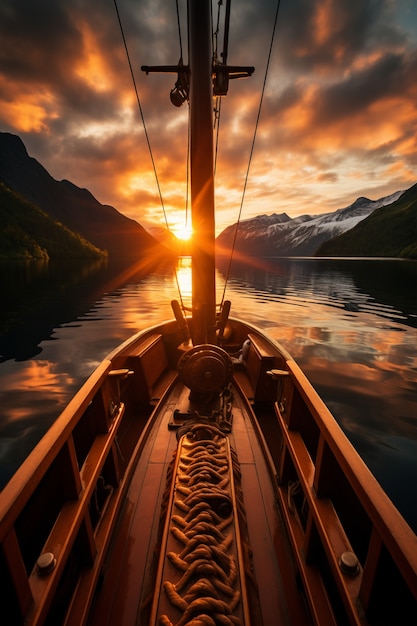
(27, 232)
(77, 208)
(390, 231)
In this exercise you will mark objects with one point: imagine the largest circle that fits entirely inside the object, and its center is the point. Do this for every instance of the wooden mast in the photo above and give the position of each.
(197, 82)
(202, 176)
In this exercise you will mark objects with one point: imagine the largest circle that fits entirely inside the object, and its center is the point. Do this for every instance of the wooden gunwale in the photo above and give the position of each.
(24, 482)
(34, 593)
(333, 537)
(393, 530)
(83, 597)
(388, 530)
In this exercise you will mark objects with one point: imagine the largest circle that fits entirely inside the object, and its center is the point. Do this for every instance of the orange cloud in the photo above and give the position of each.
(338, 114)
(29, 112)
(91, 66)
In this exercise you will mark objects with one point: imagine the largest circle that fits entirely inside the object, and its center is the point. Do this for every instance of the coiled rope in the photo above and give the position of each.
(206, 590)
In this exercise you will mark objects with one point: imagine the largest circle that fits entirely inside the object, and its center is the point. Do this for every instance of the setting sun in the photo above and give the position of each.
(183, 232)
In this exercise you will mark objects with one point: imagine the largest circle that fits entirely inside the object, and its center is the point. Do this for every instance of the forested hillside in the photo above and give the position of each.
(27, 232)
(76, 208)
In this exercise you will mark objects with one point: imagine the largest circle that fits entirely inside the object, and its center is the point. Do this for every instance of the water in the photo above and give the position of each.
(350, 324)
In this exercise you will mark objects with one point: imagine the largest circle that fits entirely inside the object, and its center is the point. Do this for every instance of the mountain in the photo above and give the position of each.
(280, 235)
(27, 232)
(77, 208)
(390, 231)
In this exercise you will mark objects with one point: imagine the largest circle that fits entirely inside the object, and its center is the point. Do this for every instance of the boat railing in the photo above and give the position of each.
(355, 553)
(57, 511)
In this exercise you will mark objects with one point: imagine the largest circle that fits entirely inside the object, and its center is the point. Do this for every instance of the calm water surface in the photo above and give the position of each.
(350, 324)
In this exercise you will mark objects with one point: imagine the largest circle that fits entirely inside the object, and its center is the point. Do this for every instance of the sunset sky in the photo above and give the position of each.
(339, 117)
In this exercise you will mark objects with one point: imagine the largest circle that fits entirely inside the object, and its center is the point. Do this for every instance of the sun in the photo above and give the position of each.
(183, 233)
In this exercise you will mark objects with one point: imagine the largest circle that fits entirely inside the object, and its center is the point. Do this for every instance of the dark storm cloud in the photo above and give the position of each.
(327, 36)
(38, 40)
(363, 88)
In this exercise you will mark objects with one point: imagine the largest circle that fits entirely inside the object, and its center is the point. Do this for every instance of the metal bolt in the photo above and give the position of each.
(349, 563)
(45, 563)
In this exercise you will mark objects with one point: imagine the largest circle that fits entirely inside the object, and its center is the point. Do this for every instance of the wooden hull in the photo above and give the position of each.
(311, 538)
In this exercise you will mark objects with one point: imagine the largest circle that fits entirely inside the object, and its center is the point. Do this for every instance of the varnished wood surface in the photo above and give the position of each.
(125, 580)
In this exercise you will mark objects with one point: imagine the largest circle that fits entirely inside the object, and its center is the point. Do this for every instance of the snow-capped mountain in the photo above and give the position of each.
(280, 235)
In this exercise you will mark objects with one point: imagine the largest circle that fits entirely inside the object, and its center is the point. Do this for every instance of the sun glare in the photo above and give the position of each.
(183, 232)
(184, 277)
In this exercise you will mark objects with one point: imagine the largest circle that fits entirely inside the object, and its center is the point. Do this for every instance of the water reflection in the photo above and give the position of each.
(57, 322)
(355, 341)
(351, 325)
(39, 297)
(184, 277)
(32, 396)
(381, 287)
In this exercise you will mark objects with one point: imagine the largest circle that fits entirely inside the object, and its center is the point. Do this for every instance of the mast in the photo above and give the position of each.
(202, 175)
(197, 82)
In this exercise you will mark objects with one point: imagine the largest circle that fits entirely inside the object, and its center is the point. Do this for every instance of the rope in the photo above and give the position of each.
(206, 587)
(147, 135)
(141, 111)
(252, 149)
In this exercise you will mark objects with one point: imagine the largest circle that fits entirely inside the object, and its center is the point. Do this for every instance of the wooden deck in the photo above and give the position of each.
(124, 596)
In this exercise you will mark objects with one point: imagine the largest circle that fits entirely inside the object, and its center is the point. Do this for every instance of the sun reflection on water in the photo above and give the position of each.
(184, 278)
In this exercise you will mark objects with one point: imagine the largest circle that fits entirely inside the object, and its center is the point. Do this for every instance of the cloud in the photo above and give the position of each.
(338, 117)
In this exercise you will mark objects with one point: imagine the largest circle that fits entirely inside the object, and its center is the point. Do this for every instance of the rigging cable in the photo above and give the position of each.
(146, 133)
(188, 138)
(216, 32)
(141, 111)
(251, 151)
(217, 112)
(217, 107)
(179, 30)
(187, 184)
